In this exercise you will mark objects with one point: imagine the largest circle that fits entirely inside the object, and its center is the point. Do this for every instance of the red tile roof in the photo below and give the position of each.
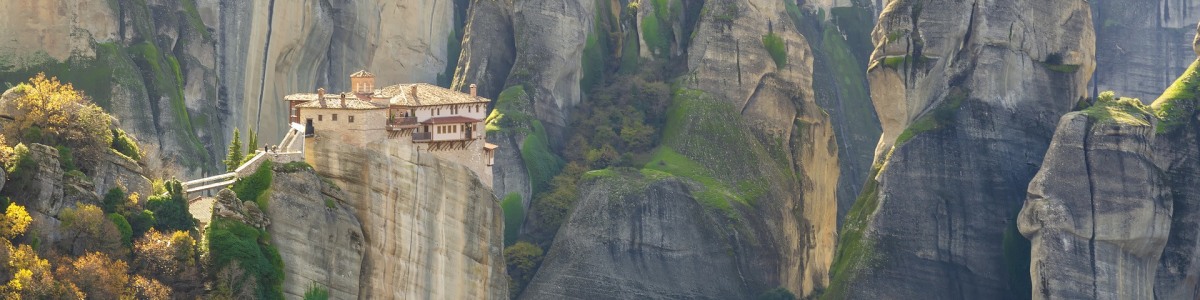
(450, 120)
(424, 94)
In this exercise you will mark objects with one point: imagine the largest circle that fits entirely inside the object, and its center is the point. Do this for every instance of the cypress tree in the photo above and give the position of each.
(253, 145)
(234, 158)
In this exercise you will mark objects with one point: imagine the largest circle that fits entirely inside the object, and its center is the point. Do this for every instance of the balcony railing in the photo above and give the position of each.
(402, 122)
(422, 136)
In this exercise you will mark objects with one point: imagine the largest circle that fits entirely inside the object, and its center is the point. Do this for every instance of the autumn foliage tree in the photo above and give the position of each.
(47, 111)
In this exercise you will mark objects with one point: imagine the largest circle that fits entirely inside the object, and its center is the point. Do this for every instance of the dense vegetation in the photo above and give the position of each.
(125, 247)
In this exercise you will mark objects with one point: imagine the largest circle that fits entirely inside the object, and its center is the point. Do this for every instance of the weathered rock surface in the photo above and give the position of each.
(1142, 45)
(228, 206)
(285, 47)
(1098, 212)
(115, 170)
(636, 238)
(728, 59)
(431, 229)
(41, 186)
(1178, 154)
(319, 238)
(969, 86)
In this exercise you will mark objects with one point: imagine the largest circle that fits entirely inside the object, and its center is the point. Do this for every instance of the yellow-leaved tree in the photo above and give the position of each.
(47, 111)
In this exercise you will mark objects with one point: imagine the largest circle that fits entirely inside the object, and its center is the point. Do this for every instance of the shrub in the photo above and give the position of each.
(254, 187)
(66, 161)
(777, 48)
(123, 227)
(316, 292)
(61, 115)
(170, 209)
(514, 214)
(235, 243)
(114, 200)
(125, 145)
(292, 167)
(140, 221)
(234, 157)
(523, 259)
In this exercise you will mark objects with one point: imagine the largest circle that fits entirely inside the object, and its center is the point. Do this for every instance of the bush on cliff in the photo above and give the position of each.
(255, 187)
(244, 261)
(63, 115)
(171, 209)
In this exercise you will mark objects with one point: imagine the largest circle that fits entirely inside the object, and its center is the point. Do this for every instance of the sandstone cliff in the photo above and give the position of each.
(632, 236)
(275, 48)
(430, 229)
(1098, 212)
(967, 94)
(318, 236)
(772, 145)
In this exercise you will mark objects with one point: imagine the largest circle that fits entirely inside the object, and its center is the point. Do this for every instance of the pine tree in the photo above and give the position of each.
(253, 145)
(234, 158)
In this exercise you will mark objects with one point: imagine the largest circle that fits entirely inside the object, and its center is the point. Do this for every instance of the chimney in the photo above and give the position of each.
(343, 100)
(321, 96)
(474, 91)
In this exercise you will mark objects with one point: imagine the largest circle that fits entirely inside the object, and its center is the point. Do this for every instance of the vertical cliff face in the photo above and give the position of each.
(275, 48)
(730, 59)
(430, 229)
(968, 93)
(1178, 154)
(319, 238)
(1098, 212)
(1141, 45)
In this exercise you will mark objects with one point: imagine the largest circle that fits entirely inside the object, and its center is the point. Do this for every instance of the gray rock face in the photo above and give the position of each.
(117, 171)
(1098, 212)
(634, 238)
(319, 238)
(968, 83)
(430, 228)
(42, 185)
(488, 48)
(550, 36)
(1178, 152)
(1142, 45)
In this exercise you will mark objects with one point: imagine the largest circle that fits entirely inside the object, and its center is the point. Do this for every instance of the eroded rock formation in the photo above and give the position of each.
(1098, 212)
(318, 236)
(430, 228)
(968, 93)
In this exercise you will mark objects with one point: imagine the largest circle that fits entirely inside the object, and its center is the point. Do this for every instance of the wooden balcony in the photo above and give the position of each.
(402, 123)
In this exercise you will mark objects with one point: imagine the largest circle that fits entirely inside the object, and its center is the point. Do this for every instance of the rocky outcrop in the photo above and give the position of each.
(1098, 212)
(319, 238)
(1142, 45)
(632, 237)
(39, 186)
(771, 86)
(430, 228)
(115, 170)
(228, 206)
(968, 93)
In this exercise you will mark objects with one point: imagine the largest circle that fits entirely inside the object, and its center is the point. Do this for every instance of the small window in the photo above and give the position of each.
(334, 117)
(351, 119)
(320, 117)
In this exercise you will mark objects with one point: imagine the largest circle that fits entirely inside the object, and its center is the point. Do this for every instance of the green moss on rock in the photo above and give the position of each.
(1177, 105)
(1109, 109)
(940, 116)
